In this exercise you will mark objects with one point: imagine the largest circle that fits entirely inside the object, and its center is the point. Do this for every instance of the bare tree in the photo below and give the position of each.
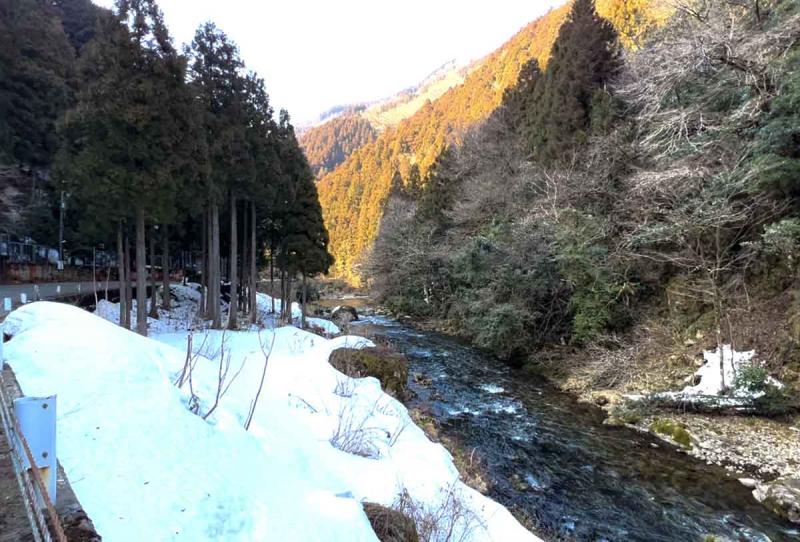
(266, 353)
(224, 379)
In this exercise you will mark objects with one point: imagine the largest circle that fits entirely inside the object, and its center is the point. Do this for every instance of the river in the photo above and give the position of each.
(552, 458)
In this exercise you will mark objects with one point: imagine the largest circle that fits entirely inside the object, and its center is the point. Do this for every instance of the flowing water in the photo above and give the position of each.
(554, 460)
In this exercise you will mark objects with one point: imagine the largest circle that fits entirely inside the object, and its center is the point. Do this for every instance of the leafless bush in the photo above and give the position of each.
(223, 381)
(224, 378)
(266, 353)
(451, 520)
(353, 436)
(188, 368)
(345, 386)
(390, 409)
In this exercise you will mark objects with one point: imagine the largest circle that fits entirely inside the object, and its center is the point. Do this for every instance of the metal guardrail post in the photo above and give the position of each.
(37, 421)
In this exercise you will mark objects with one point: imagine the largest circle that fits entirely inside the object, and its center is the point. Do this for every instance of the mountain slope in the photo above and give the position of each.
(343, 129)
(353, 195)
(393, 110)
(328, 145)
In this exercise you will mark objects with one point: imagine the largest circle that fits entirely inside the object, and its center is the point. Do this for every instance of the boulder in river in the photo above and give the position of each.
(390, 368)
(782, 496)
(344, 314)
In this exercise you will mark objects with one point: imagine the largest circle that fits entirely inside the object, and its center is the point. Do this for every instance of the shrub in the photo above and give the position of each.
(450, 520)
(751, 377)
(499, 329)
(777, 402)
(390, 525)
(353, 436)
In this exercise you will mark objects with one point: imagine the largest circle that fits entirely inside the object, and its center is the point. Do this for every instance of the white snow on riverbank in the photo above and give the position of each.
(710, 375)
(147, 466)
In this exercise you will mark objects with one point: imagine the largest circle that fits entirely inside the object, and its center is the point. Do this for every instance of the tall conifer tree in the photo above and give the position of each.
(585, 56)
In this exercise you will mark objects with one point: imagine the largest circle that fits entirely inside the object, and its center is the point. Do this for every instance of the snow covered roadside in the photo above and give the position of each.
(147, 468)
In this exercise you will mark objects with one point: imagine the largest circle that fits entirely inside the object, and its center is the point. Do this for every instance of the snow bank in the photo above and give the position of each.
(147, 468)
(325, 325)
(710, 375)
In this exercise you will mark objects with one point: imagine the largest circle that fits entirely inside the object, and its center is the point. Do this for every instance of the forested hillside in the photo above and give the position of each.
(327, 145)
(393, 110)
(653, 189)
(353, 196)
(104, 118)
(346, 129)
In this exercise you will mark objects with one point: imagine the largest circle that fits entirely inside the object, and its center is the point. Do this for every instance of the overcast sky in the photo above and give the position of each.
(314, 54)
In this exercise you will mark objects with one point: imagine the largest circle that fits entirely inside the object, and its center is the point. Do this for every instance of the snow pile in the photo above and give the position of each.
(710, 375)
(326, 326)
(147, 466)
(717, 384)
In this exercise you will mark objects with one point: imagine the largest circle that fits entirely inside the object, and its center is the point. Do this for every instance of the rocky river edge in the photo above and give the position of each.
(762, 453)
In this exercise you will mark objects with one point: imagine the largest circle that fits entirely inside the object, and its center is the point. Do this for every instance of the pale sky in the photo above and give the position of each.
(314, 54)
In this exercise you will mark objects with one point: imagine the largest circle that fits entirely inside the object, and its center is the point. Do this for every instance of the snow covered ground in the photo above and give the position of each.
(146, 465)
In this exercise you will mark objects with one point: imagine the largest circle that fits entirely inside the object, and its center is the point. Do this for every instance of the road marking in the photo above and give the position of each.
(7, 304)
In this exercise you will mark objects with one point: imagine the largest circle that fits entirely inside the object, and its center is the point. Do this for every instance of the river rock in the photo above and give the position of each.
(344, 314)
(782, 496)
(390, 525)
(389, 367)
(750, 483)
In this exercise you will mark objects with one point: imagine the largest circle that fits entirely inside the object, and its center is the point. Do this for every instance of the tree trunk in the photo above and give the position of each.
(153, 289)
(233, 309)
(283, 294)
(201, 309)
(165, 268)
(215, 276)
(272, 280)
(123, 297)
(128, 284)
(141, 274)
(253, 302)
(245, 267)
(94, 274)
(303, 304)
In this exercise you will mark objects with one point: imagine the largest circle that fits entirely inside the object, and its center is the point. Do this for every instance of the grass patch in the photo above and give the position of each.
(673, 430)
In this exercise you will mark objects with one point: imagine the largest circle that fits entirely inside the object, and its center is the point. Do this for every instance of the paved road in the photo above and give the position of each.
(17, 294)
